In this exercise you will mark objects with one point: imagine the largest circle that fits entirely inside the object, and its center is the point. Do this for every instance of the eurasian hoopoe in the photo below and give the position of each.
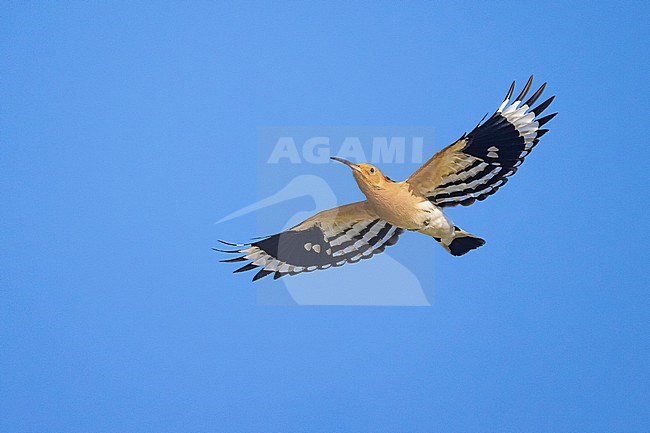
(472, 168)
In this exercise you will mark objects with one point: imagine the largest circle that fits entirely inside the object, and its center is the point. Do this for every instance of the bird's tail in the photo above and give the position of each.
(461, 242)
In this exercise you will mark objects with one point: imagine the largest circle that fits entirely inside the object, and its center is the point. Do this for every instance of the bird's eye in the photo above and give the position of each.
(372, 170)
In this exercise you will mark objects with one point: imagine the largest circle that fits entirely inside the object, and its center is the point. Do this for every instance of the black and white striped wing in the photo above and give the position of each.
(480, 162)
(329, 239)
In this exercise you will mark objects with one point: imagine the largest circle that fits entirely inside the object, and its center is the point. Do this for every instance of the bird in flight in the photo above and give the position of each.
(472, 168)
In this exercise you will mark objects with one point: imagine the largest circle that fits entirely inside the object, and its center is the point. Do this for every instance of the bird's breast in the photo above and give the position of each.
(401, 208)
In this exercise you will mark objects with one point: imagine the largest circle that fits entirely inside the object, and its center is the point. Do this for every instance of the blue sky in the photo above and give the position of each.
(127, 130)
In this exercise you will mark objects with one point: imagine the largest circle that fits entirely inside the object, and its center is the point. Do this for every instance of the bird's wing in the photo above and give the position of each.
(480, 162)
(345, 234)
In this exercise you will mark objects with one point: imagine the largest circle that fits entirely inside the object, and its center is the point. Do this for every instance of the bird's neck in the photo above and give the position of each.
(370, 191)
(381, 192)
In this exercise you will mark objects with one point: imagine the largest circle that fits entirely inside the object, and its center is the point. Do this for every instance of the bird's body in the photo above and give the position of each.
(400, 204)
(472, 168)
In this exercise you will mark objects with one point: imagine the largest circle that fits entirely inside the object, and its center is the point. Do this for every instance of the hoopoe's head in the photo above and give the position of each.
(368, 176)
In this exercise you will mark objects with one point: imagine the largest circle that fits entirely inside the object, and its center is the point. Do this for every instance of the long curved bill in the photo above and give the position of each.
(346, 162)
